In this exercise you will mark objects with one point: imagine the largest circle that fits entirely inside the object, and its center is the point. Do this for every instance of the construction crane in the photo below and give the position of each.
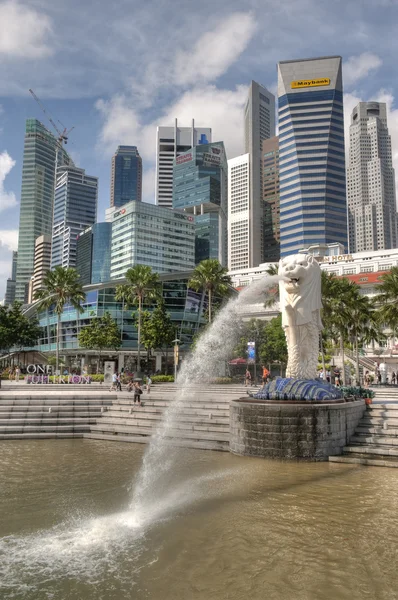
(62, 136)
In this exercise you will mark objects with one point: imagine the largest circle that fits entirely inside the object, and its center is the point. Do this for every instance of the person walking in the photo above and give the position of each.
(265, 374)
(336, 374)
(367, 379)
(137, 393)
(393, 378)
(118, 382)
(17, 373)
(148, 384)
(114, 383)
(248, 378)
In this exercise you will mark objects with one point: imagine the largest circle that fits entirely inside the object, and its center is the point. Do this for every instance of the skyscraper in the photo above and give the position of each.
(75, 208)
(372, 212)
(259, 126)
(313, 206)
(126, 176)
(239, 217)
(271, 199)
(170, 143)
(93, 253)
(37, 197)
(145, 234)
(10, 286)
(42, 263)
(201, 189)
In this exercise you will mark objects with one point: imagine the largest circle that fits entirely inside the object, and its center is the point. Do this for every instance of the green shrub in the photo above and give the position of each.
(221, 380)
(162, 379)
(358, 392)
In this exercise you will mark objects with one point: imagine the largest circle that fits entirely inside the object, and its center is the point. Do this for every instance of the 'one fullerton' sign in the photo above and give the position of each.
(304, 83)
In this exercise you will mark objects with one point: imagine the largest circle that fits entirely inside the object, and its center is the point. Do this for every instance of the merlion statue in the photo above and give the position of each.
(300, 303)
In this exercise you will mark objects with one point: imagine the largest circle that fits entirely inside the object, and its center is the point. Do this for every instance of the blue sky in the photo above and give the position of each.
(117, 70)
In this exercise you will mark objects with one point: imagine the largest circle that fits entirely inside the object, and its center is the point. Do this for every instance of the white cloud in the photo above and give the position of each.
(215, 51)
(358, 67)
(7, 199)
(23, 31)
(9, 239)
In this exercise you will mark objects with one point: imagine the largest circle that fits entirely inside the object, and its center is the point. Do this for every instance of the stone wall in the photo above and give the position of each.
(292, 431)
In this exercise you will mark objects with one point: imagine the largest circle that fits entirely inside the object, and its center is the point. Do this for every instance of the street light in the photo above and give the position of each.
(175, 342)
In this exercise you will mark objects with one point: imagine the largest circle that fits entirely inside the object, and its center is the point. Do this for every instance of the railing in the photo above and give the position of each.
(367, 363)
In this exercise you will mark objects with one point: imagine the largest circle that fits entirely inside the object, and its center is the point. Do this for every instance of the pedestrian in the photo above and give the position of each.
(328, 376)
(367, 379)
(248, 378)
(321, 374)
(114, 383)
(17, 373)
(130, 386)
(118, 382)
(393, 378)
(378, 373)
(265, 374)
(148, 384)
(336, 374)
(137, 393)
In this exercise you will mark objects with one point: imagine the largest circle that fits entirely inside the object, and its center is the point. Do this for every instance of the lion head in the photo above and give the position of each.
(300, 287)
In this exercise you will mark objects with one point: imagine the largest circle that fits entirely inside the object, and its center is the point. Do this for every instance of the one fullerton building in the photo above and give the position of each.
(311, 152)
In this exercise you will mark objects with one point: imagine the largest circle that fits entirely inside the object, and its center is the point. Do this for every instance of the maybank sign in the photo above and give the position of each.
(304, 83)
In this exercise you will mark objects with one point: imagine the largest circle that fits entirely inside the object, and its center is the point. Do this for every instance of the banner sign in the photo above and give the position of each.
(211, 159)
(183, 158)
(251, 352)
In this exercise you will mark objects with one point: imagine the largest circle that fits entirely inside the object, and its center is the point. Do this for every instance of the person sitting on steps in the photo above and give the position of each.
(137, 393)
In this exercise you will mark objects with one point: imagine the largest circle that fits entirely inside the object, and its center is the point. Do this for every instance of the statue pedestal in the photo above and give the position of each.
(299, 390)
(292, 430)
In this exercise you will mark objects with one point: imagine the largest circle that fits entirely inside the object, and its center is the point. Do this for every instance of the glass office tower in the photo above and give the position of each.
(313, 207)
(201, 189)
(93, 253)
(126, 176)
(75, 208)
(37, 197)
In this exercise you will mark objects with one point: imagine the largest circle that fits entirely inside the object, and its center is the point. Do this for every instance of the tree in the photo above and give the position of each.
(123, 295)
(102, 333)
(143, 285)
(157, 329)
(60, 286)
(274, 347)
(387, 299)
(211, 277)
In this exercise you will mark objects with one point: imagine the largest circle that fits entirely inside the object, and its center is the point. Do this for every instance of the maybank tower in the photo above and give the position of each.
(313, 206)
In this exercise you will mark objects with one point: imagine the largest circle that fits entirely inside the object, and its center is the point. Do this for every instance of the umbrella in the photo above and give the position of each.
(238, 361)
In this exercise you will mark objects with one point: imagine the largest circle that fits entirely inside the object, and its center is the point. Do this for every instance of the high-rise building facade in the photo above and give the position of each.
(313, 207)
(145, 234)
(126, 176)
(239, 215)
(93, 253)
(75, 209)
(37, 197)
(271, 199)
(259, 120)
(170, 143)
(10, 285)
(42, 264)
(372, 212)
(201, 190)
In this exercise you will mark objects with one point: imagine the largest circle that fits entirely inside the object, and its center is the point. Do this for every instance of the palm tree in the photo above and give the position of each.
(142, 284)
(273, 294)
(211, 277)
(387, 299)
(60, 286)
(123, 295)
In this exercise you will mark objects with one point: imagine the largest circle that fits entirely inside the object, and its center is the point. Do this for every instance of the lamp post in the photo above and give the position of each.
(176, 356)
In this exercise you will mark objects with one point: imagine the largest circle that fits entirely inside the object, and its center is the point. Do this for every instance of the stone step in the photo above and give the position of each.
(156, 417)
(368, 430)
(183, 406)
(371, 449)
(48, 421)
(18, 410)
(172, 433)
(182, 411)
(186, 443)
(147, 424)
(374, 439)
(53, 402)
(361, 460)
(45, 428)
(39, 436)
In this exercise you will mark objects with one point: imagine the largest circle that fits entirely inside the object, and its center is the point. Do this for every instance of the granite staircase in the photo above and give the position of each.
(375, 441)
(202, 420)
(31, 414)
